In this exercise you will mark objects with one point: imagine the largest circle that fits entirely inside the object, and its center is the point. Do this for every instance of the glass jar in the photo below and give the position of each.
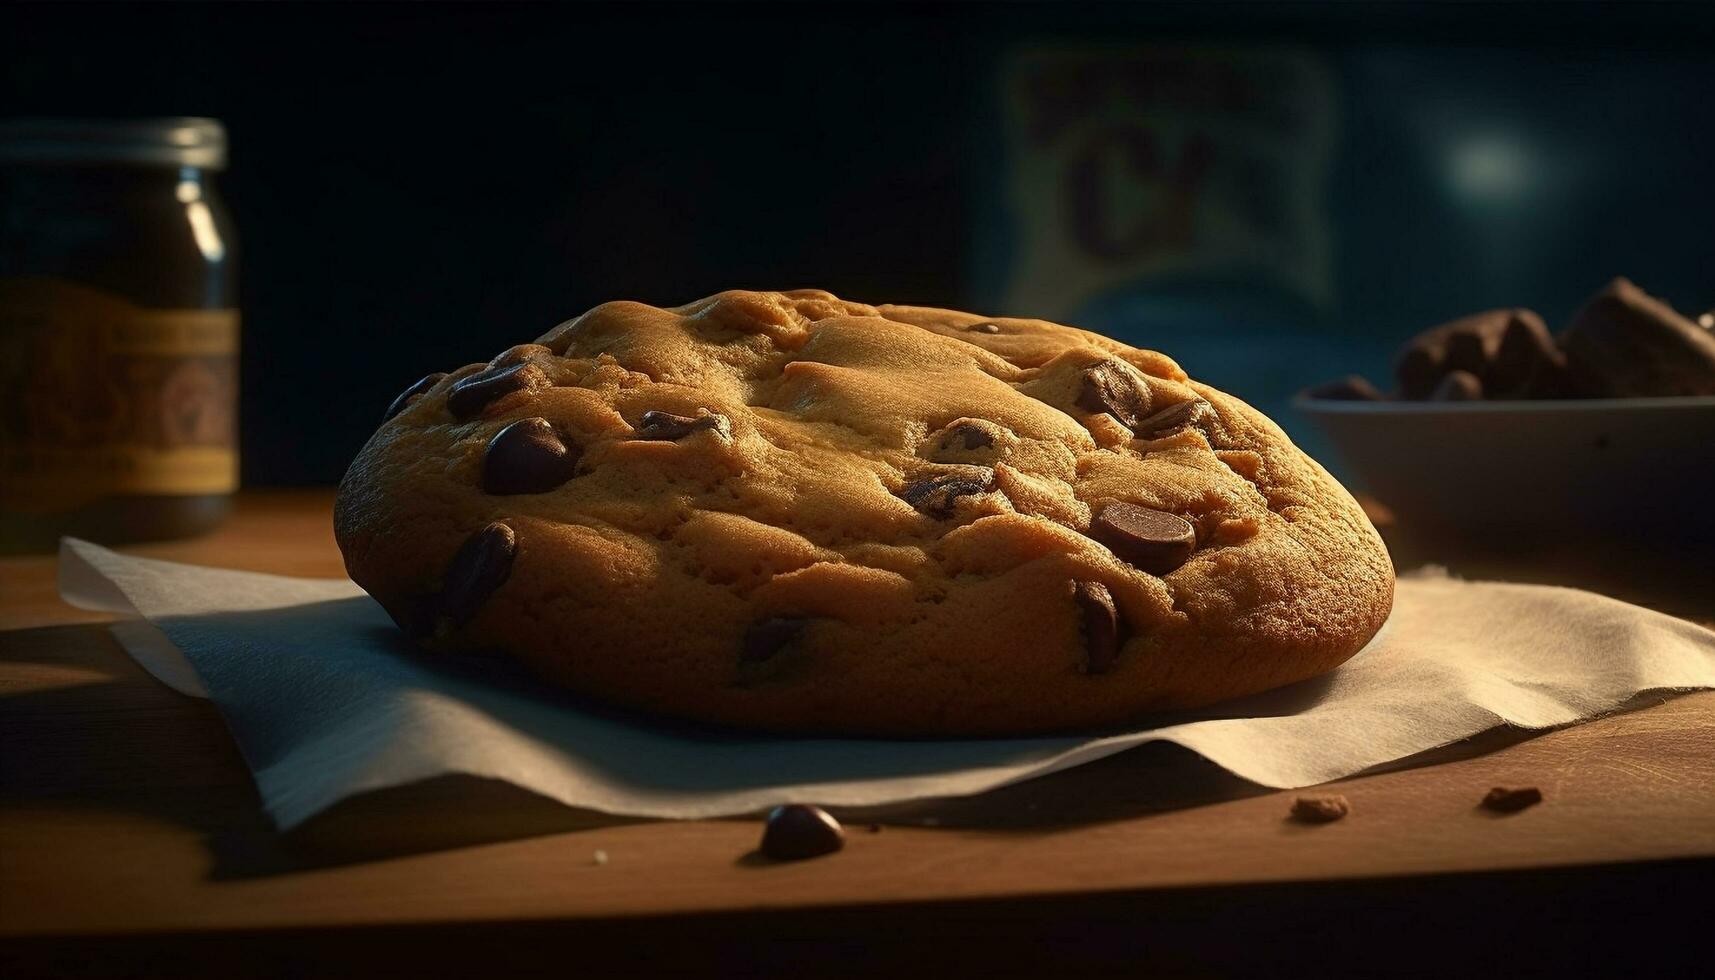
(118, 331)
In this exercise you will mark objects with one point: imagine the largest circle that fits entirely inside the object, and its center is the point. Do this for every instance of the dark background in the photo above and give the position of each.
(419, 186)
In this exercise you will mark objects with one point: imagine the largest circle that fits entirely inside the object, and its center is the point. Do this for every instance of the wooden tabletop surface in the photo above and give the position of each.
(129, 827)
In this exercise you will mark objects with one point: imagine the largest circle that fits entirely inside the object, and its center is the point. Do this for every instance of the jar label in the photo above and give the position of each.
(1125, 168)
(100, 397)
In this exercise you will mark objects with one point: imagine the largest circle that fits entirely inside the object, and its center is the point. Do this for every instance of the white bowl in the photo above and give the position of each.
(1635, 468)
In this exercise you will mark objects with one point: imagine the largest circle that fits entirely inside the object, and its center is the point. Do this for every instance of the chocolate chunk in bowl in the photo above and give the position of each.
(1626, 343)
(1533, 449)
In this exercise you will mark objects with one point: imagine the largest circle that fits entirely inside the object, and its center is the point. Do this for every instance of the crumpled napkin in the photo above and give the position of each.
(326, 700)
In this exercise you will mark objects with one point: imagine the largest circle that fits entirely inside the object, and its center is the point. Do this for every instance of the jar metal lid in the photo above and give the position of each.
(179, 141)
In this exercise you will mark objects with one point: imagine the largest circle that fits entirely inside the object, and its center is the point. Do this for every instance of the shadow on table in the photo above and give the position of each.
(94, 731)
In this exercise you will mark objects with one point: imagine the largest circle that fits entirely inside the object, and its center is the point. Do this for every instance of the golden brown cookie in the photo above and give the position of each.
(786, 511)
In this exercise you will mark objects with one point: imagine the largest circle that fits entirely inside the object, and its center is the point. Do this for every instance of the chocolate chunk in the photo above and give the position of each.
(1458, 386)
(1113, 387)
(935, 496)
(528, 456)
(768, 637)
(967, 436)
(665, 426)
(469, 396)
(1320, 809)
(1504, 800)
(1351, 388)
(796, 831)
(481, 566)
(1101, 626)
(1471, 343)
(1152, 540)
(1626, 343)
(1173, 418)
(1416, 370)
(984, 328)
(412, 393)
(1525, 358)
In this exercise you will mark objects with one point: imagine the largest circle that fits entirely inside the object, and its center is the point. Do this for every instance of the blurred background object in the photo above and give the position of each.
(1275, 195)
(118, 384)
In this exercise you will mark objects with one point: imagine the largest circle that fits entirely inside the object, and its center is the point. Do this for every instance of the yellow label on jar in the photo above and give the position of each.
(99, 397)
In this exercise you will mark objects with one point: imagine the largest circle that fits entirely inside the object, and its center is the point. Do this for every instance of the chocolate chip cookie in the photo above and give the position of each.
(785, 511)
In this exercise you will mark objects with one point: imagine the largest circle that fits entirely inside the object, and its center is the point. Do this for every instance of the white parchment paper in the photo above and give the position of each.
(326, 700)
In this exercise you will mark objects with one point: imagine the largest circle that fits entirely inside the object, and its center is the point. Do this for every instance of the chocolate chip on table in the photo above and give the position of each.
(797, 831)
(1111, 387)
(1351, 388)
(1504, 800)
(1458, 386)
(528, 456)
(768, 637)
(1152, 540)
(1101, 626)
(1180, 415)
(968, 436)
(481, 566)
(469, 396)
(412, 393)
(936, 495)
(1320, 809)
(667, 426)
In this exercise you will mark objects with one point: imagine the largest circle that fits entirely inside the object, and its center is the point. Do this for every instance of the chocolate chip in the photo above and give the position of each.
(1153, 540)
(412, 393)
(1458, 386)
(970, 436)
(1320, 809)
(481, 565)
(1101, 626)
(1504, 800)
(664, 425)
(768, 637)
(984, 328)
(1351, 388)
(528, 456)
(1173, 418)
(469, 396)
(935, 496)
(796, 831)
(1113, 388)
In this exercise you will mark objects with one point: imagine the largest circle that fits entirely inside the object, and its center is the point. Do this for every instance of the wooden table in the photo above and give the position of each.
(132, 841)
